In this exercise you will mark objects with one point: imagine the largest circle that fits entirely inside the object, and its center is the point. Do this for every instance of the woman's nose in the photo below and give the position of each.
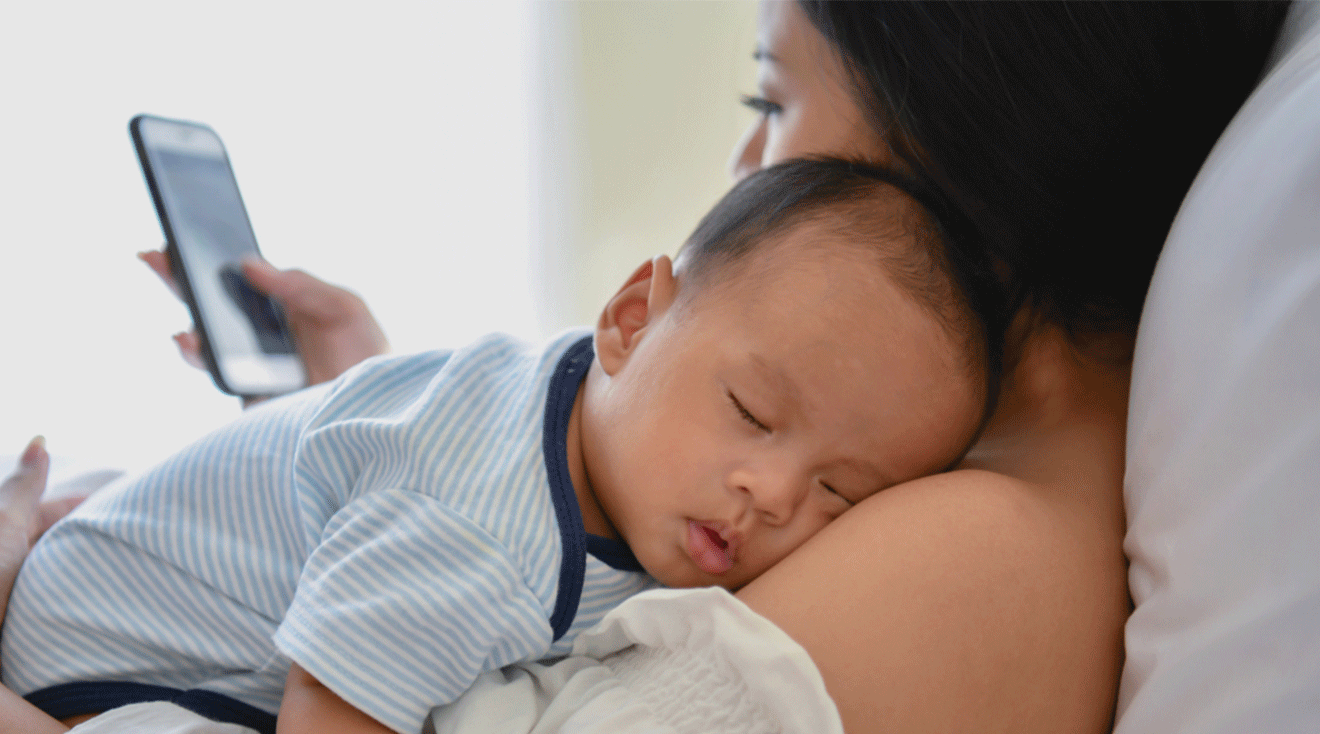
(746, 158)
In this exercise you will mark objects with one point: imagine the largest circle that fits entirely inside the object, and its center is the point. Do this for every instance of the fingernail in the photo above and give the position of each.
(33, 450)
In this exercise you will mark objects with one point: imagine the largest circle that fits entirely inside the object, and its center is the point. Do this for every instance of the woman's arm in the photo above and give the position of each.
(966, 601)
(21, 521)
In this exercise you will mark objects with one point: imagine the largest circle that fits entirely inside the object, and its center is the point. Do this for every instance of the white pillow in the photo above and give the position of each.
(1223, 475)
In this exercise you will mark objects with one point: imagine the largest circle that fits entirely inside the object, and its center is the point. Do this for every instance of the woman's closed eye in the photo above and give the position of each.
(762, 105)
(747, 414)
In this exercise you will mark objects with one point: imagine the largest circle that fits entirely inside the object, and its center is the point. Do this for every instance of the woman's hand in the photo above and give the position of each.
(20, 513)
(23, 516)
(332, 326)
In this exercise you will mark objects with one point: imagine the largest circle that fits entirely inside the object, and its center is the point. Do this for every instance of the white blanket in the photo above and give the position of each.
(669, 661)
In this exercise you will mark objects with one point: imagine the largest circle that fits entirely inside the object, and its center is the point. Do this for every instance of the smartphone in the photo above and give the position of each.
(245, 338)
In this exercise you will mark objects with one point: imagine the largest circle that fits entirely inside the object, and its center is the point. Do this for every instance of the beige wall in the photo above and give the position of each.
(639, 107)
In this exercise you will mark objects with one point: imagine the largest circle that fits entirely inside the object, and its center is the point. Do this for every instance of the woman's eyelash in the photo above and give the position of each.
(747, 415)
(762, 105)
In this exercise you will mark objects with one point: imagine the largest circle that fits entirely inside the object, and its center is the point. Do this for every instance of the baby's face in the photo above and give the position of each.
(764, 407)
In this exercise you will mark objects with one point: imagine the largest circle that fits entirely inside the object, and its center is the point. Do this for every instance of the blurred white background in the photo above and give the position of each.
(465, 167)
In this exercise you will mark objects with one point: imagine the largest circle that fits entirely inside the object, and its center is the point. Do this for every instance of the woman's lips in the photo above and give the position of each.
(708, 549)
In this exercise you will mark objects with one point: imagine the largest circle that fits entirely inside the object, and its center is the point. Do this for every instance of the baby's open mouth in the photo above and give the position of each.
(708, 549)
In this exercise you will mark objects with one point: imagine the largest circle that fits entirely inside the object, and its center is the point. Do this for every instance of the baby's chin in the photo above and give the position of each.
(675, 577)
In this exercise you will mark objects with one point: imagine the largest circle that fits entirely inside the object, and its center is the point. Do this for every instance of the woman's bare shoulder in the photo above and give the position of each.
(963, 601)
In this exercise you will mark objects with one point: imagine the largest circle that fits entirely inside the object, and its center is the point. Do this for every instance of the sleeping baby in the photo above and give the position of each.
(362, 550)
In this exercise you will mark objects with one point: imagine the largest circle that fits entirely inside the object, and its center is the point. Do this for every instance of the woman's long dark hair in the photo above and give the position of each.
(1068, 133)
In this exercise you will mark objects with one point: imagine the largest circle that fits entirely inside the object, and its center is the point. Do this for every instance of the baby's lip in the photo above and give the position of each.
(713, 546)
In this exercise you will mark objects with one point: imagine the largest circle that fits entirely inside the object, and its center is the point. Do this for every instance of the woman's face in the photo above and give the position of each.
(804, 98)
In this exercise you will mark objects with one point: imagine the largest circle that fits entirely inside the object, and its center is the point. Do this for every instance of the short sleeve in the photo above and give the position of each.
(404, 603)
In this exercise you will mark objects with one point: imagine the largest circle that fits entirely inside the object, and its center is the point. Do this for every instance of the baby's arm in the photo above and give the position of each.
(396, 639)
(309, 706)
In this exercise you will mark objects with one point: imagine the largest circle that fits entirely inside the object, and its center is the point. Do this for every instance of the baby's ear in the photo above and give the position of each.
(647, 294)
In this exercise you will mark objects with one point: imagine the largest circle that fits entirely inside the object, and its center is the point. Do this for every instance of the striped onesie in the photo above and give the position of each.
(396, 533)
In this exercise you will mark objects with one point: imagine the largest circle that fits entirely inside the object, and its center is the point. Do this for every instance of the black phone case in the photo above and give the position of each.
(172, 248)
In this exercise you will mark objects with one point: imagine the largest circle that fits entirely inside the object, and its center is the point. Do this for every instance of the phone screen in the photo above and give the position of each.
(208, 226)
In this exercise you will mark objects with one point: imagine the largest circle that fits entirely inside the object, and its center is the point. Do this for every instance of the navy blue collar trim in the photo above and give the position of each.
(614, 553)
(564, 385)
(93, 697)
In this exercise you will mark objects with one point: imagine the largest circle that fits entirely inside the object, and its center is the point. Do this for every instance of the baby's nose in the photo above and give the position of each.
(773, 496)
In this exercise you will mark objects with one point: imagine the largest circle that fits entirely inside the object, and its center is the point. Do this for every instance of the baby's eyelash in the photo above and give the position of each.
(835, 492)
(746, 414)
(762, 105)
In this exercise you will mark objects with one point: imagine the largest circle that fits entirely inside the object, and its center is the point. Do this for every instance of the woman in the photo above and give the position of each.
(991, 597)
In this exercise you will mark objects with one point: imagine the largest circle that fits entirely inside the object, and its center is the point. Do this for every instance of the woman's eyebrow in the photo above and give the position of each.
(763, 54)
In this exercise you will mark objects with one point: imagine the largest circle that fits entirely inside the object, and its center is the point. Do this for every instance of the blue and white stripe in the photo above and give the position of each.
(393, 532)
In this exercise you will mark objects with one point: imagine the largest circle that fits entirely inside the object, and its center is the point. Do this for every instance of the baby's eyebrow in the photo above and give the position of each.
(779, 380)
(786, 388)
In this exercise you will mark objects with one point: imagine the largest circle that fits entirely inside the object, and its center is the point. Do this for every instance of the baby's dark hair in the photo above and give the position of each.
(924, 250)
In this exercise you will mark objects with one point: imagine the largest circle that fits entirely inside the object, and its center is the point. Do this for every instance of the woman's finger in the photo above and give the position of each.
(20, 497)
(160, 264)
(190, 348)
(302, 293)
(20, 493)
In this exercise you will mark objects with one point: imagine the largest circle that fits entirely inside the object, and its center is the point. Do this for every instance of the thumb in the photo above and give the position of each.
(301, 294)
(264, 277)
(20, 492)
